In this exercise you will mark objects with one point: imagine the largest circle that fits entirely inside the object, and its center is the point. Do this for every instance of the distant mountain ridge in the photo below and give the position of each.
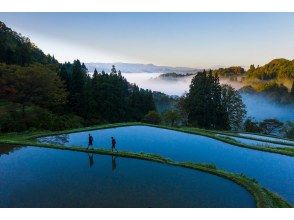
(139, 68)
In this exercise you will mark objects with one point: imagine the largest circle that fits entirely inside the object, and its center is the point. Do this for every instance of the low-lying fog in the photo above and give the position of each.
(257, 106)
(260, 108)
(168, 86)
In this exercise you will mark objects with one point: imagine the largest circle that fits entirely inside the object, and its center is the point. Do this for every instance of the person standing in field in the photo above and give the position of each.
(90, 141)
(113, 144)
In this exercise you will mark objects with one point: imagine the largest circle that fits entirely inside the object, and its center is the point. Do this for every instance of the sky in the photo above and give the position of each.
(200, 40)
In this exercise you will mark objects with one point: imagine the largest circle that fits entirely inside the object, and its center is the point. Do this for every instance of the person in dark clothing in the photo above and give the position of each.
(90, 141)
(113, 144)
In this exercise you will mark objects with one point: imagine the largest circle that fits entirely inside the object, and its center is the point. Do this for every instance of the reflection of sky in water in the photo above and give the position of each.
(256, 143)
(266, 138)
(59, 139)
(39, 177)
(272, 170)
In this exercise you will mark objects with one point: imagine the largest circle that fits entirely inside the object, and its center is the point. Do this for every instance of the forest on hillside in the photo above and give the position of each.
(39, 93)
(274, 80)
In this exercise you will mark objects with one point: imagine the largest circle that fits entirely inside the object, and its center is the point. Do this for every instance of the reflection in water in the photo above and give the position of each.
(7, 149)
(273, 171)
(91, 159)
(59, 139)
(113, 162)
(40, 177)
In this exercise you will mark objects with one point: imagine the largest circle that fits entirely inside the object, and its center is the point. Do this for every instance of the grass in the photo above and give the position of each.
(31, 136)
(258, 139)
(262, 197)
(213, 134)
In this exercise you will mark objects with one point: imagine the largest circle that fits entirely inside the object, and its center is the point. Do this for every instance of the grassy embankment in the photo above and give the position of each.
(236, 134)
(214, 134)
(262, 196)
(29, 137)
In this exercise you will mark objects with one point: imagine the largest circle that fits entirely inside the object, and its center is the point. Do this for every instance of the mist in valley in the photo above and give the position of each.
(152, 81)
(257, 106)
(261, 108)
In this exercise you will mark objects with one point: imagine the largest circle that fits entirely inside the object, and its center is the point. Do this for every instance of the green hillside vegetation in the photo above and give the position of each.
(37, 92)
(175, 75)
(16, 49)
(212, 106)
(164, 102)
(275, 80)
(275, 69)
(230, 71)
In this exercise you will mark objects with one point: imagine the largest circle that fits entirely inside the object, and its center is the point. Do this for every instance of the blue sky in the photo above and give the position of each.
(175, 39)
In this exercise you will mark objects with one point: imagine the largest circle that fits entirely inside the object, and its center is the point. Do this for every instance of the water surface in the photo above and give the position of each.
(261, 137)
(255, 142)
(259, 143)
(40, 177)
(273, 171)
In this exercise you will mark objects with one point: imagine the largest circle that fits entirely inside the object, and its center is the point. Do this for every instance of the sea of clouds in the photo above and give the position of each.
(257, 106)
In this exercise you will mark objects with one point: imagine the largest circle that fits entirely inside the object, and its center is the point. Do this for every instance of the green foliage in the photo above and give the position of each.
(276, 69)
(275, 80)
(292, 91)
(16, 49)
(35, 118)
(204, 103)
(234, 106)
(30, 78)
(140, 102)
(250, 125)
(262, 196)
(210, 166)
(34, 84)
(152, 118)
(270, 126)
(271, 86)
(267, 126)
(182, 109)
(270, 90)
(164, 102)
(175, 75)
(171, 117)
(288, 129)
(233, 71)
(104, 97)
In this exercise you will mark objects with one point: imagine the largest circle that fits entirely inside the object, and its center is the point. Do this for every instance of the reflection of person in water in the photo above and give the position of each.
(91, 159)
(90, 141)
(113, 162)
(113, 144)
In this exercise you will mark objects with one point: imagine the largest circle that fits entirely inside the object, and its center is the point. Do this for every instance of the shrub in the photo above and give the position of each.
(152, 118)
(36, 118)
